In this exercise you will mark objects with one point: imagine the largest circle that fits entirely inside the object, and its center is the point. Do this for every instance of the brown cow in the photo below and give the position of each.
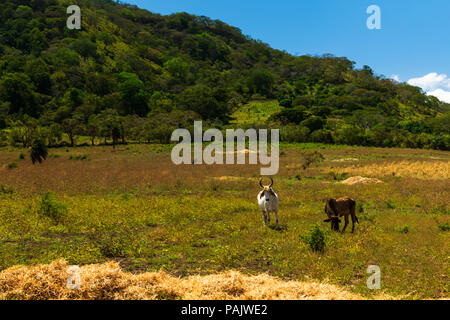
(340, 207)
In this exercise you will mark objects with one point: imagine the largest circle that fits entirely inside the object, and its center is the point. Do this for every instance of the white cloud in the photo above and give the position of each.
(396, 77)
(440, 94)
(431, 81)
(434, 84)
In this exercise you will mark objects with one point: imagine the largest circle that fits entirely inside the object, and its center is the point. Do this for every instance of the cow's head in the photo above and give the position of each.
(334, 222)
(330, 210)
(267, 190)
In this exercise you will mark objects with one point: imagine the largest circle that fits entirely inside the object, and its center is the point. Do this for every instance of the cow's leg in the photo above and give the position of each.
(268, 217)
(353, 222)
(346, 223)
(264, 217)
(276, 218)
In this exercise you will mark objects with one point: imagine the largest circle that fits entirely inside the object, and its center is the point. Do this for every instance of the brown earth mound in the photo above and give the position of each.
(108, 281)
(358, 180)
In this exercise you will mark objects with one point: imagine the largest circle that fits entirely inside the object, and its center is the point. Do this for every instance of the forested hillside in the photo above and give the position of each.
(129, 74)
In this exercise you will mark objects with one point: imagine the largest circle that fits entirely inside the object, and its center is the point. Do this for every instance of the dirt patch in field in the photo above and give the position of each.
(108, 281)
(231, 178)
(227, 178)
(345, 159)
(245, 151)
(359, 180)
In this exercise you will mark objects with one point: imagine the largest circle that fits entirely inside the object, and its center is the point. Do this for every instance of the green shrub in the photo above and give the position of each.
(440, 210)
(316, 239)
(390, 204)
(21, 156)
(54, 155)
(444, 227)
(367, 217)
(360, 207)
(125, 196)
(12, 165)
(6, 190)
(39, 150)
(298, 177)
(311, 158)
(403, 229)
(79, 157)
(52, 208)
(112, 248)
(338, 176)
(111, 244)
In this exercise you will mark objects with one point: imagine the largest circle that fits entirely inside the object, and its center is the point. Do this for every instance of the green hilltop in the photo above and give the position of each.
(130, 74)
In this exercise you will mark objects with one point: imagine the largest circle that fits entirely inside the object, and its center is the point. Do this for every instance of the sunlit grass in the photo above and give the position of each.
(255, 112)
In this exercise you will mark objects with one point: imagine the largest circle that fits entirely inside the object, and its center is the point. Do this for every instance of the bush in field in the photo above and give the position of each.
(444, 227)
(403, 229)
(360, 207)
(12, 165)
(316, 239)
(38, 151)
(6, 190)
(113, 248)
(390, 204)
(338, 176)
(52, 208)
(79, 157)
(110, 243)
(311, 158)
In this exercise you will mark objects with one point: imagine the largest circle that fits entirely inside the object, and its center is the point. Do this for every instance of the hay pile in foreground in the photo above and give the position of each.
(108, 281)
(358, 180)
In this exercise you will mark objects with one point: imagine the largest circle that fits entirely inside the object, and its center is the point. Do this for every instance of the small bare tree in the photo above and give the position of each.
(311, 158)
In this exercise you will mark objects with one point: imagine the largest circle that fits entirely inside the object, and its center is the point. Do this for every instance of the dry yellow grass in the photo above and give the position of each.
(108, 281)
(427, 170)
(345, 160)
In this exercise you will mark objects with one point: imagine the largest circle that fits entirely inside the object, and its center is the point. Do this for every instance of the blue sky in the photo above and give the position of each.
(413, 43)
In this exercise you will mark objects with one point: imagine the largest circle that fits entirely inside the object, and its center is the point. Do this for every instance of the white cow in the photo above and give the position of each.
(268, 202)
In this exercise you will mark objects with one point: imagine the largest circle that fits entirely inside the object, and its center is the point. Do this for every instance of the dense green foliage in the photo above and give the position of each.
(38, 151)
(132, 74)
(315, 239)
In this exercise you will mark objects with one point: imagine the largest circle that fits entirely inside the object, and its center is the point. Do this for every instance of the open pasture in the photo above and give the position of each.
(133, 206)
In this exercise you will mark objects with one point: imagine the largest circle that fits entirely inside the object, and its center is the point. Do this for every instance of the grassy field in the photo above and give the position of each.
(133, 206)
(255, 112)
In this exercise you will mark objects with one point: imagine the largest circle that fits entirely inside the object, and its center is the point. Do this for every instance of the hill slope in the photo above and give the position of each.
(139, 75)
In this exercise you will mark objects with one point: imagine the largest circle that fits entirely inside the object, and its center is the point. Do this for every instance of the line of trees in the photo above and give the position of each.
(130, 74)
(107, 127)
